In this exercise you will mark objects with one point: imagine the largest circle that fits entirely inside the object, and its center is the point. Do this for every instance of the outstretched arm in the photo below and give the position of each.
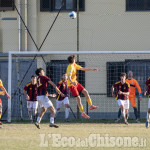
(57, 90)
(87, 69)
(4, 90)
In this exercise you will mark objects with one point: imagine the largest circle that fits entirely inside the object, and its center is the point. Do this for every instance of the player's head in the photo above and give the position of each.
(71, 59)
(64, 77)
(40, 71)
(123, 77)
(33, 79)
(130, 75)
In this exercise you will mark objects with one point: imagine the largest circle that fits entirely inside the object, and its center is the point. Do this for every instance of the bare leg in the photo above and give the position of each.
(30, 114)
(34, 113)
(123, 114)
(40, 117)
(53, 112)
(126, 112)
(41, 114)
(79, 103)
(88, 99)
(148, 114)
(86, 94)
(147, 118)
(78, 99)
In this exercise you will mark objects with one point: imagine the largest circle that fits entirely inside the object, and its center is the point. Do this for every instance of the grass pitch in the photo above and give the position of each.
(24, 136)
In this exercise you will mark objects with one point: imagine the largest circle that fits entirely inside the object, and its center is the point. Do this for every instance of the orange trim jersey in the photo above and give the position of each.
(62, 86)
(72, 71)
(133, 83)
(31, 91)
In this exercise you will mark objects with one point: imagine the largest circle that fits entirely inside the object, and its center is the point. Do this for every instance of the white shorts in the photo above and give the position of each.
(125, 103)
(64, 101)
(149, 103)
(32, 104)
(44, 101)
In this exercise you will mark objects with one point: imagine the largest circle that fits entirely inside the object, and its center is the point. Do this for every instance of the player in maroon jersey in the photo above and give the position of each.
(62, 85)
(147, 91)
(122, 95)
(42, 98)
(30, 91)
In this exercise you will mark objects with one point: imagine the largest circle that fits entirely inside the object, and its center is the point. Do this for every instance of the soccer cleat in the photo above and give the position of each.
(1, 123)
(93, 107)
(84, 115)
(126, 122)
(127, 116)
(37, 125)
(147, 124)
(137, 121)
(116, 121)
(54, 125)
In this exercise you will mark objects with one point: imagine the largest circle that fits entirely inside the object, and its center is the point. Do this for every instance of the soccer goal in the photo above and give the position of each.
(110, 64)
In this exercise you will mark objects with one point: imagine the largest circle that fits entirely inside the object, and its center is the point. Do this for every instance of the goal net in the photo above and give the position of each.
(110, 64)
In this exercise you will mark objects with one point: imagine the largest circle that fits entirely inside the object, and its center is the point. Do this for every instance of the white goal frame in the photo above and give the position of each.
(53, 52)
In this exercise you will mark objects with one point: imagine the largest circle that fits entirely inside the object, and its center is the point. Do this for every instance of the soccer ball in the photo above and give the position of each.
(72, 15)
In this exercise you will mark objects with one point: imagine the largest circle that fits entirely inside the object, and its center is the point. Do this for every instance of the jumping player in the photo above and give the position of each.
(122, 95)
(75, 87)
(62, 85)
(3, 92)
(30, 91)
(42, 98)
(147, 90)
(133, 83)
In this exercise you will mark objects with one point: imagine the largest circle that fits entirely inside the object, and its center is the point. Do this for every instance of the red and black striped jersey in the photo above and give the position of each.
(122, 87)
(31, 91)
(42, 85)
(62, 85)
(148, 85)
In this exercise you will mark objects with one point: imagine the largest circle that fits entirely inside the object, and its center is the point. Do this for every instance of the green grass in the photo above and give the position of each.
(25, 136)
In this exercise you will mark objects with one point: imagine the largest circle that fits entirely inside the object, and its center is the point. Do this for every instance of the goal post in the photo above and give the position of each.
(9, 86)
(109, 63)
